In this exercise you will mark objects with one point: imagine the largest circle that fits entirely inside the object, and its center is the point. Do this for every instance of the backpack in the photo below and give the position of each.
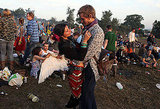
(105, 62)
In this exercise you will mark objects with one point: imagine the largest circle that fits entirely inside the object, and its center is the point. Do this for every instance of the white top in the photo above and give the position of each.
(158, 49)
(131, 37)
(45, 53)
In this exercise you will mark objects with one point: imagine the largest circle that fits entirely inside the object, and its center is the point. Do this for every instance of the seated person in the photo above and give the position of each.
(132, 55)
(36, 61)
(147, 59)
(142, 50)
(45, 50)
(121, 55)
(155, 53)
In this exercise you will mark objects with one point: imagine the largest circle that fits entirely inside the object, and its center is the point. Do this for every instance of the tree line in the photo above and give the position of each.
(124, 28)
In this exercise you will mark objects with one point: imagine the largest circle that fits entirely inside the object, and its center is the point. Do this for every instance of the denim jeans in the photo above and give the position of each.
(6, 47)
(29, 48)
(87, 100)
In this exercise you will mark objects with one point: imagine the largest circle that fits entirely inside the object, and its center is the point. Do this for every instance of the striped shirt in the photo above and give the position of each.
(32, 30)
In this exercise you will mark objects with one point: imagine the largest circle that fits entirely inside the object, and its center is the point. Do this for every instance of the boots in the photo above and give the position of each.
(2, 64)
(11, 65)
(73, 102)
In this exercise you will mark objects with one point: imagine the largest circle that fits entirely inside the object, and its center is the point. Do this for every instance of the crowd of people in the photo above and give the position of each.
(37, 42)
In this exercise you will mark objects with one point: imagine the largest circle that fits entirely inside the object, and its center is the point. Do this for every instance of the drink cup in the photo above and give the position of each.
(33, 97)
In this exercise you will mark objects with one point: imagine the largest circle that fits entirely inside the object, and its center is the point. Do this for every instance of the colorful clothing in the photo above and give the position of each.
(35, 68)
(75, 54)
(76, 80)
(22, 46)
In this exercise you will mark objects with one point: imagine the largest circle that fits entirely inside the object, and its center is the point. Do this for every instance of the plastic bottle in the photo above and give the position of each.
(119, 85)
(104, 78)
(63, 76)
(33, 97)
(25, 79)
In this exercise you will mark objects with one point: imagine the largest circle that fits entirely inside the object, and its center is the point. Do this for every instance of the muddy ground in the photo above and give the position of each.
(139, 91)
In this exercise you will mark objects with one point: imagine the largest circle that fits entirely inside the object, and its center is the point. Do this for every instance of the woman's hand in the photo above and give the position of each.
(87, 36)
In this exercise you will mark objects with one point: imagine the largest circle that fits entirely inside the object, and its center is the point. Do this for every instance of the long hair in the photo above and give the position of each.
(21, 21)
(36, 51)
(59, 29)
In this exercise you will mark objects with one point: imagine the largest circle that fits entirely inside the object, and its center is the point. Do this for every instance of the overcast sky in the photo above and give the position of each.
(149, 9)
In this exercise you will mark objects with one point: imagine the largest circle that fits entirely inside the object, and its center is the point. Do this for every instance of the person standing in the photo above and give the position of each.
(8, 30)
(20, 43)
(32, 35)
(110, 41)
(132, 39)
(87, 15)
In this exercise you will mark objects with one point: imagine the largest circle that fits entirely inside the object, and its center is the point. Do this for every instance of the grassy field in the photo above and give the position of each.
(139, 92)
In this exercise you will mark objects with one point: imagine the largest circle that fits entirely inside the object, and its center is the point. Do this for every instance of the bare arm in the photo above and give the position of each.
(39, 58)
(105, 43)
(154, 61)
(115, 43)
(144, 61)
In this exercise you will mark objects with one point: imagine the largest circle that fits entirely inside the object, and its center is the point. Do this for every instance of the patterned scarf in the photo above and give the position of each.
(90, 25)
